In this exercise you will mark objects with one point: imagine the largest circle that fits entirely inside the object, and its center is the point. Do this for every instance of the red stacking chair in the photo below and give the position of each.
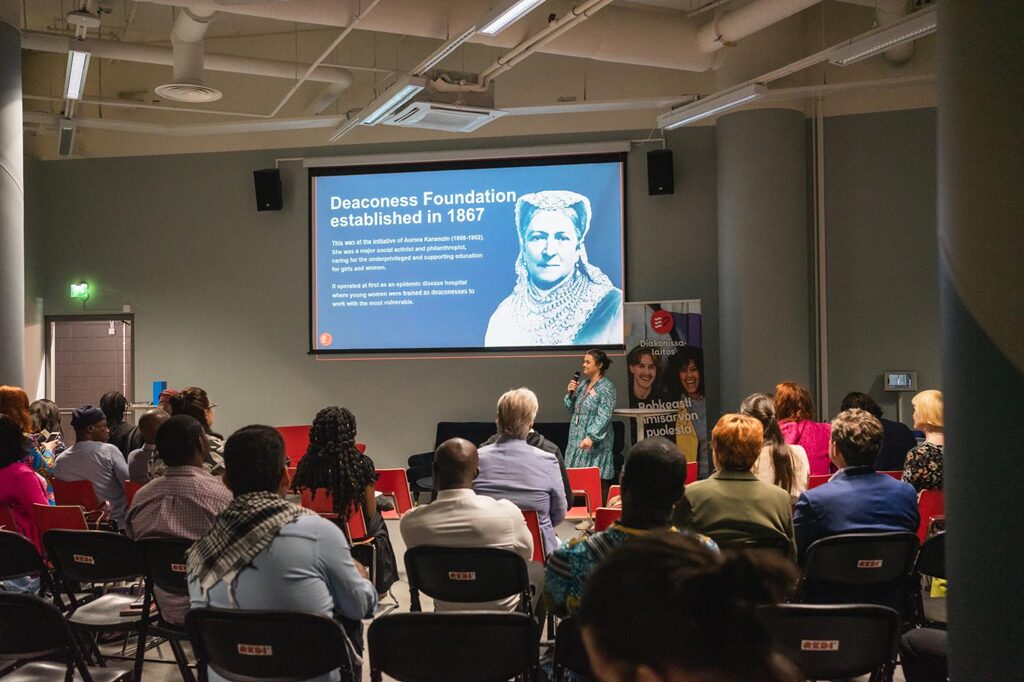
(815, 481)
(931, 504)
(691, 472)
(614, 491)
(898, 475)
(130, 488)
(296, 442)
(533, 523)
(322, 502)
(82, 494)
(6, 520)
(606, 516)
(393, 483)
(585, 481)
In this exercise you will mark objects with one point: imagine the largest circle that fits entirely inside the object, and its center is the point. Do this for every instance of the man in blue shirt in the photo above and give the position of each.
(512, 469)
(857, 499)
(293, 560)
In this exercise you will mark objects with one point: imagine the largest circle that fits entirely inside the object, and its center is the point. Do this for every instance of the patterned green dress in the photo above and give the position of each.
(590, 416)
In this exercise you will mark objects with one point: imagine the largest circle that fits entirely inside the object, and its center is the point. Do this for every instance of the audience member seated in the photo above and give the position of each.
(46, 425)
(794, 411)
(39, 455)
(183, 503)
(897, 438)
(140, 458)
(538, 441)
(857, 499)
(20, 487)
(512, 469)
(652, 483)
(194, 402)
(291, 560)
(461, 518)
(114, 405)
(665, 609)
(778, 464)
(333, 463)
(733, 505)
(93, 459)
(923, 466)
(923, 655)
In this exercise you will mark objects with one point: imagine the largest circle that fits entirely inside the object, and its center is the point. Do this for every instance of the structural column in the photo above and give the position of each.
(981, 260)
(12, 211)
(763, 252)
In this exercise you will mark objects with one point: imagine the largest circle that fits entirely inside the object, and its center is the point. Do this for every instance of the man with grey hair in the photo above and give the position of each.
(512, 469)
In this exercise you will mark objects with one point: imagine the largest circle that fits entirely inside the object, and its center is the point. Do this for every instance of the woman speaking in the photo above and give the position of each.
(590, 404)
(559, 298)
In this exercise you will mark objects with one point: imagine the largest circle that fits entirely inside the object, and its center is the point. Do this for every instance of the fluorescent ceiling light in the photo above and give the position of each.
(709, 106)
(445, 50)
(502, 19)
(394, 97)
(913, 27)
(74, 79)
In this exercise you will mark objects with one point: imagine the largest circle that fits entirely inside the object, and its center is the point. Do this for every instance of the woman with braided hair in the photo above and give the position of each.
(334, 464)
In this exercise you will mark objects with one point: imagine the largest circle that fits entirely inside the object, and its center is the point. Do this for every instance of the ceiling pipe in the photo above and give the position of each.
(731, 27)
(188, 51)
(164, 56)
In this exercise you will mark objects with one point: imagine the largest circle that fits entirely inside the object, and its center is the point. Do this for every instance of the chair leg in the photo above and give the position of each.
(182, 660)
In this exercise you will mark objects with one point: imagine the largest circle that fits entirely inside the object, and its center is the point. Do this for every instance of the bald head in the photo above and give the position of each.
(455, 464)
(150, 422)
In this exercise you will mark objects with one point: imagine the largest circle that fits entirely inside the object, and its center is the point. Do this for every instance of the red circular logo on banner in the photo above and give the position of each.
(326, 339)
(661, 322)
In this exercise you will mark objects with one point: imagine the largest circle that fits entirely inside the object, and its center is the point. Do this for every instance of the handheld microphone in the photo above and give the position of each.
(575, 377)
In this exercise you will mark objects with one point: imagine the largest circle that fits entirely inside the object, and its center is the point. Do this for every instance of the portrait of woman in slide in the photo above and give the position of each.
(560, 297)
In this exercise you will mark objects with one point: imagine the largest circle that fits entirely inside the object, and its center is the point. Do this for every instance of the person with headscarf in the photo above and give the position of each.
(560, 297)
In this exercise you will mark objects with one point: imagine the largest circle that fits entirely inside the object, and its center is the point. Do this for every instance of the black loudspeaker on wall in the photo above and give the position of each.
(660, 178)
(268, 189)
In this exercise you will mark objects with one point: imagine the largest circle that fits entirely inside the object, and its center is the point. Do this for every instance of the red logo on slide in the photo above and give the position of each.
(326, 339)
(661, 322)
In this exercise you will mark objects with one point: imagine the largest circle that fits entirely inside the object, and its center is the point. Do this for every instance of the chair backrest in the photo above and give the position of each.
(873, 568)
(93, 556)
(614, 491)
(466, 574)
(606, 516)
(834, 641)
(31, 627)
(453, 647)
(932, 559)
(898, 475)
(18, 556)
(130, 488)
(778, 545)
(815, 481)
(586, 481)
(533, 523)
(69, 517)
(570, 656)
(320, 500)
(691, 472)
(6, 520)
(268, 645)
(75, 492)
(930, 504)
(393, 483)
(322, 503)
(296, 442)
(164, 559)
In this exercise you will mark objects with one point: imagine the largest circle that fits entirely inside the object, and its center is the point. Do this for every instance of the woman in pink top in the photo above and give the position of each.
(794, 410)
(20, 487)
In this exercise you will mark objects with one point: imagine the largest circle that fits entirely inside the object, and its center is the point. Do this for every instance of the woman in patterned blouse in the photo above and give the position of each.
(590, 404)
(923, 467)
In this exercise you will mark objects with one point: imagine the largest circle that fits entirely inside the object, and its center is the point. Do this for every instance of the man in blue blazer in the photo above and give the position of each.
(856, 499)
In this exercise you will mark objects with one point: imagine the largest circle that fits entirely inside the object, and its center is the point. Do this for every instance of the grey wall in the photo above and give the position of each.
(882, 253)
(219, 291)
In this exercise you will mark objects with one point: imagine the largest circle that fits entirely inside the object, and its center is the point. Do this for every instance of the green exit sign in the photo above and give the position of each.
(80, 291)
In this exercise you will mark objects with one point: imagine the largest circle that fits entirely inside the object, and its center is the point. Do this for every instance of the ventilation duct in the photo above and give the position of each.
(189, 54)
